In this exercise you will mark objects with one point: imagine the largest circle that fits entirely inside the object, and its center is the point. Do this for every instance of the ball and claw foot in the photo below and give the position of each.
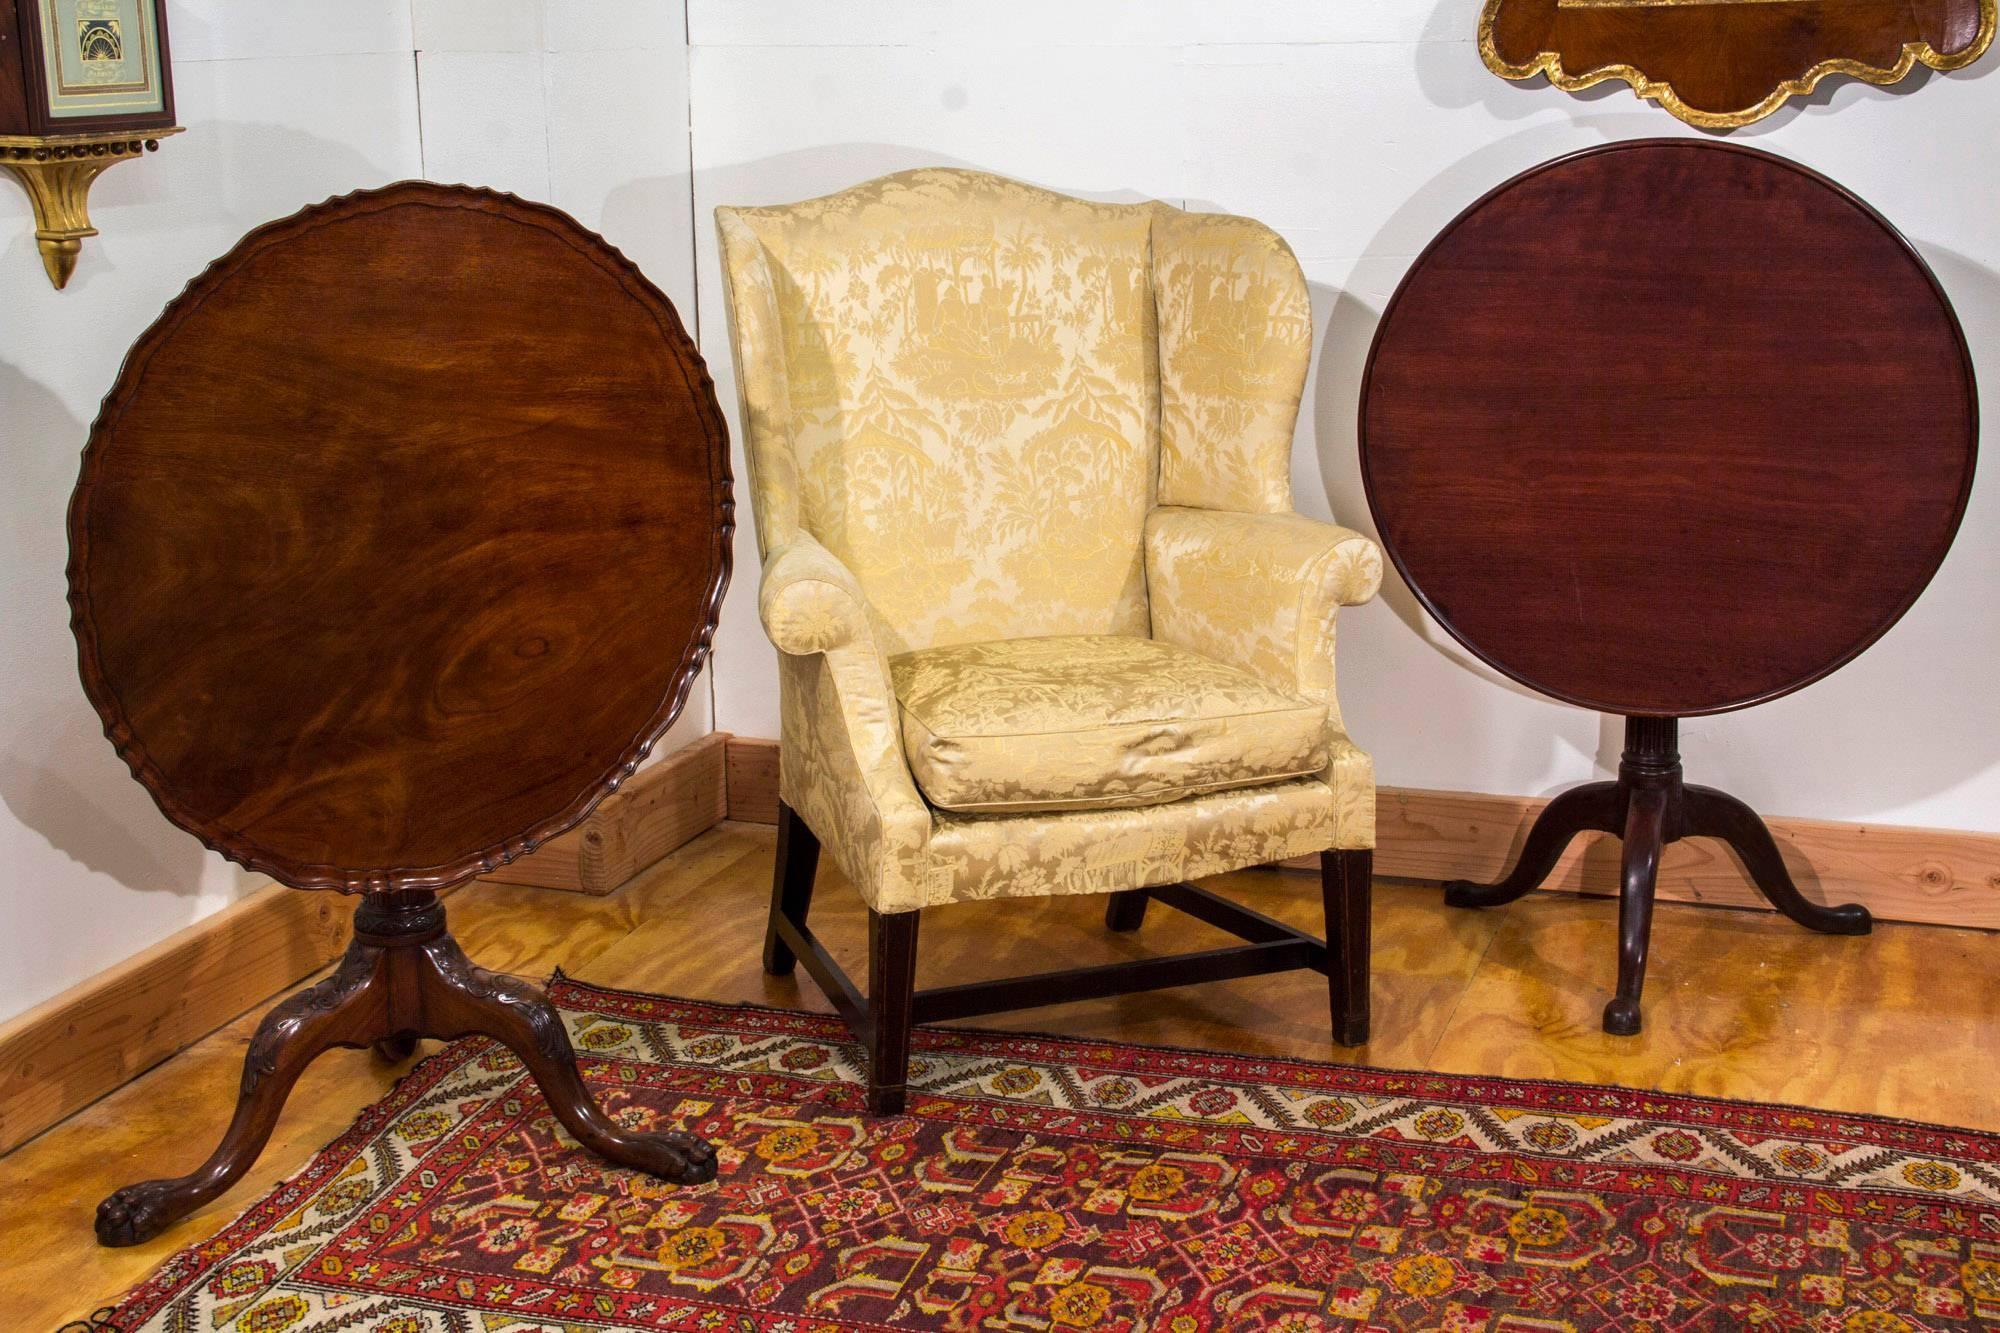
(136, 1214)
(672, 1155)
(1621, 1017)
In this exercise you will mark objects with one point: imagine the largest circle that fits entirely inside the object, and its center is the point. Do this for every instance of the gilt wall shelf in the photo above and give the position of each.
(57, 171)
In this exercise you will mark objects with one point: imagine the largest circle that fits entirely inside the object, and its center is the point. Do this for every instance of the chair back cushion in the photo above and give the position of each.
(965, 397)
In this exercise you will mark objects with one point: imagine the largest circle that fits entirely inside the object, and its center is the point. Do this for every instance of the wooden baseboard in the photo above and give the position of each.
(753, 780)
(70, 1050)
(1932, 876)
(656, 811)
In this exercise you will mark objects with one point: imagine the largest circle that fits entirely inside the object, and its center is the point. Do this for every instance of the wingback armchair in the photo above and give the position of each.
(1020, 467)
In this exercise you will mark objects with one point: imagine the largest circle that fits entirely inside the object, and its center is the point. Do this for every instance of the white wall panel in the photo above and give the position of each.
(637, 31)
(618, 162)
(233, 30)
(485, 119)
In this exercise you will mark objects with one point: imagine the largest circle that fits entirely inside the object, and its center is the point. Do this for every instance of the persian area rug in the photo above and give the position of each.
(1056, 1185)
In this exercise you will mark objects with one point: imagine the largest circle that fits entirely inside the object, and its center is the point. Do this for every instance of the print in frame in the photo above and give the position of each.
(84, 66)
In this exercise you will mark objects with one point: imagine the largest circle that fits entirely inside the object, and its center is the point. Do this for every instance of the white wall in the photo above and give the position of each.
(286, 102)
(1359, 131)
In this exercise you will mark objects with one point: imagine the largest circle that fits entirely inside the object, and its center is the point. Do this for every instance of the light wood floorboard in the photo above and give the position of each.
(1905, 1022)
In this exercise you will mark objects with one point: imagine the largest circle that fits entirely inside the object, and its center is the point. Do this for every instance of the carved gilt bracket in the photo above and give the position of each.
(57, 172)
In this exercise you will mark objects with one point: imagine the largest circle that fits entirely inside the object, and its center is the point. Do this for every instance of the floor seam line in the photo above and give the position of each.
(1458, 1003)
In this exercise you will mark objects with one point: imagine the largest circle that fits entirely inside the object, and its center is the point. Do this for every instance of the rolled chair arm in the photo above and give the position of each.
(810, 602)
(1261, 591)
(842, 766)
(1257, 590)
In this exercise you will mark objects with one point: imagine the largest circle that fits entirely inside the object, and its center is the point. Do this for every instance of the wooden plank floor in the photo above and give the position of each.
(1906, 1022)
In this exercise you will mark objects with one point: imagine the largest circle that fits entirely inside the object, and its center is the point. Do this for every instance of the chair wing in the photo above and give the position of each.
(1235, 331)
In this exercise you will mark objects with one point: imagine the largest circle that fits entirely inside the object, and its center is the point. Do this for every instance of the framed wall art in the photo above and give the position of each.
(1723, 64)
(80, 66)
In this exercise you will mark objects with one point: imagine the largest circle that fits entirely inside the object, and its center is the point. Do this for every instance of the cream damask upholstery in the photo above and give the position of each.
(1020, 471)
(1093, 722)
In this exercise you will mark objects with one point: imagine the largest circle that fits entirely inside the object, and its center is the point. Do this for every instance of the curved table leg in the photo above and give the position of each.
(403, 977)
(1717, 814)
(1639, 869)
(1591, 808)
(340, 1011)
(463, 999)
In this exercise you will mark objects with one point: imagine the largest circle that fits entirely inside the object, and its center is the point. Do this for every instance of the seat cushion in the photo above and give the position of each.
(1093, 722)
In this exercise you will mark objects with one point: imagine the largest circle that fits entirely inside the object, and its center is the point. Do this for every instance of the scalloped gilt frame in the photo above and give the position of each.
(1657, 85)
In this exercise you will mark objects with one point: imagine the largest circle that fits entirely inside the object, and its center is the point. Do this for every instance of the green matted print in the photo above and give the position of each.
(101, 57)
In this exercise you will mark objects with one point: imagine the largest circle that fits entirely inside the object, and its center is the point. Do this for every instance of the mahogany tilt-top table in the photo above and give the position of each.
(1662, 429)
(398, 543)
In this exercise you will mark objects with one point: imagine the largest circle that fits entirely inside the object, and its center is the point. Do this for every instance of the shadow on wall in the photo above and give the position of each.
(58, 775)
(1931, 664)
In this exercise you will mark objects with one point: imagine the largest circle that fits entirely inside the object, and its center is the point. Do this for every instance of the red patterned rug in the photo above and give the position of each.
(1049, 1184)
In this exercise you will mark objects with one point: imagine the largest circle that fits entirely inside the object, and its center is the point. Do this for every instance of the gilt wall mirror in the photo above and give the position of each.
(1723, 64)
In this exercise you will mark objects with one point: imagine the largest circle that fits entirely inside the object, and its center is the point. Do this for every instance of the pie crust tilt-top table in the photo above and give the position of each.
(1662, 429)
(398, 543)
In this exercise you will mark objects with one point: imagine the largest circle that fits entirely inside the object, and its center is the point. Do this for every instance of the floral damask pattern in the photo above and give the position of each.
(1235, 341)
(1093, 722)
(1056, 1186)
(969, 406)
(963, 399)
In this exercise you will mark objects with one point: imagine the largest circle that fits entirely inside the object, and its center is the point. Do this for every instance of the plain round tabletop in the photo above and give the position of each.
(400, 539)
(1668, 427)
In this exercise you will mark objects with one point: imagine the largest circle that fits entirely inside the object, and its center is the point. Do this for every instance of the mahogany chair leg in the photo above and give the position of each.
(402, 977)
(1639, 869)
(1126, 909)
(791, 887)
(1717, 814)
(1347, 883)
(892, 986)
(1591, 808)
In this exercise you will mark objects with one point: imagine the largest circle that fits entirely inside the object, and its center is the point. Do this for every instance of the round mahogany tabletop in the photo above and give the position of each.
(400, 539)
(1668, 427)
